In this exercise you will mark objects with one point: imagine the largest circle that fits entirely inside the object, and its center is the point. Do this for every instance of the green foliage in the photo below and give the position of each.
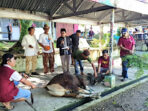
(25, 24)
(118, 31)
(146, 103)
(96, 42)
(140, 62)
(96, 36)
(114, 102)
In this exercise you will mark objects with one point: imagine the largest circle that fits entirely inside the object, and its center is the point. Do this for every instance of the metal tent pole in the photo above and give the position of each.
(111, 41)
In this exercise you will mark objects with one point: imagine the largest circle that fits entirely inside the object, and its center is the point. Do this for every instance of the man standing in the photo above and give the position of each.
(75, 42)
(127, 46)
(64, 44)
(9, 29)
(46, 42)
(82, 55)
(31, 48)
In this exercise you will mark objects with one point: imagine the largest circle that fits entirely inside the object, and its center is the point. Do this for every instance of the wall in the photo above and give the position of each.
(69, 28)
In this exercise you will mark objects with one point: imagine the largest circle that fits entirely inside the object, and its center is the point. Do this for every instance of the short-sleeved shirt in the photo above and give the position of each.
(104, 62)
(46, 40)
(127, 43)
(78, 56)
(15, 76)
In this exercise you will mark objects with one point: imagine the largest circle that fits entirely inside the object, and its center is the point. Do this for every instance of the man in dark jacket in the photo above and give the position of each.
(64, 44)
(75, 42)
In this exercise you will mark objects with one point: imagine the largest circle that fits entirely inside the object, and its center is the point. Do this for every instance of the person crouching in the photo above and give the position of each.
(9, 79)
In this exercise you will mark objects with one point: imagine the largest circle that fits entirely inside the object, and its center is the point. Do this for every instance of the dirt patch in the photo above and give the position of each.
(135, 99)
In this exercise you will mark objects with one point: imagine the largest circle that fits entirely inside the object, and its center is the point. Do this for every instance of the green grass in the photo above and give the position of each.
(6, 45)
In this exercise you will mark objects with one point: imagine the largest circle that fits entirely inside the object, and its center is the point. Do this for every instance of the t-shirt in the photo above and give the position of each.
(46, 40)
(127, 43)
(78, 56)
(104, 62)
(15, 76)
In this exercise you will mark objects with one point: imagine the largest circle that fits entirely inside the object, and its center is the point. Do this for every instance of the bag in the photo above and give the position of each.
(109, 81)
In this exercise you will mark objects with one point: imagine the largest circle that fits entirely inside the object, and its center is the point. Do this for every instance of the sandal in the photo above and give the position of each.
(7, 107)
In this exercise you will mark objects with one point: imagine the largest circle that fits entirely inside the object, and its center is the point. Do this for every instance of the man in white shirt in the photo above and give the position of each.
(31, 48)
(46, 42)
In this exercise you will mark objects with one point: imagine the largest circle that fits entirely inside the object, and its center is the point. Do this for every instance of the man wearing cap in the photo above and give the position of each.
(127, 46)
(82, 55)
(46, 42)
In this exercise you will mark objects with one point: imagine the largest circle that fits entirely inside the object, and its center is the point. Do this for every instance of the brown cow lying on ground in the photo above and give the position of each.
(68, 85)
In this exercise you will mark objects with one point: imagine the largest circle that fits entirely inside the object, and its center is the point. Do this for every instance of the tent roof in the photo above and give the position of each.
(95, 10)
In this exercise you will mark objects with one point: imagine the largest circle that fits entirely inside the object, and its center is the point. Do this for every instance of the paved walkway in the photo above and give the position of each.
(44, 102)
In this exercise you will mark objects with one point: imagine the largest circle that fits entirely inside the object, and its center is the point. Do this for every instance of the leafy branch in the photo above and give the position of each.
(139, 62)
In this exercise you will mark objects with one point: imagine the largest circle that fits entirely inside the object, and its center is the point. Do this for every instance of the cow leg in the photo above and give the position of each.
(83, 91)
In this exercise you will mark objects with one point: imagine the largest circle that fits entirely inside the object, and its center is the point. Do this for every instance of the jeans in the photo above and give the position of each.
(78, 62)
(124, 69)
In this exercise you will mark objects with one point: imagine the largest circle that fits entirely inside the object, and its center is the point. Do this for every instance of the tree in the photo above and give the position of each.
(24, 25)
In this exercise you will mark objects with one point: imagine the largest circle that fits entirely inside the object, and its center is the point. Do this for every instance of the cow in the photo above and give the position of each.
(68, 85)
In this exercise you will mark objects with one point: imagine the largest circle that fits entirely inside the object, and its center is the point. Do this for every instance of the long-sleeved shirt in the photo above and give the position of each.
(30, 40)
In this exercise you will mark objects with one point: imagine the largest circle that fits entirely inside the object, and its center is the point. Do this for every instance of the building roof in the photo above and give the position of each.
(94, 10)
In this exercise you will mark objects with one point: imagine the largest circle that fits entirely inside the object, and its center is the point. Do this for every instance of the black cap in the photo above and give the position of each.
(105, 51)
(78, 31)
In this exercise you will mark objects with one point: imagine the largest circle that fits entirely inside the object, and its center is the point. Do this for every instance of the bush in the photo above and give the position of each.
(139, 62)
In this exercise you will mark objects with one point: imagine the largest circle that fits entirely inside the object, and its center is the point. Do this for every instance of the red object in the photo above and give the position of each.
(127, 43)
(104, 62)
(7, 88)
(47, 48)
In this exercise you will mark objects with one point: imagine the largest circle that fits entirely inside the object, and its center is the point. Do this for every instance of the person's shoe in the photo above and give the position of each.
(35, 73)
(124, 79)
(82, 73)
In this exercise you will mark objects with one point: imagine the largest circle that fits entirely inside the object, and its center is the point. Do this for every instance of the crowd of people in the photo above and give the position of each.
(68, 50)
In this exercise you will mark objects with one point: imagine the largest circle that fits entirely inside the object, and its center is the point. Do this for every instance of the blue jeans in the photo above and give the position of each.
(124, 69)
(22, 93)
(78, 62)
(104, 70)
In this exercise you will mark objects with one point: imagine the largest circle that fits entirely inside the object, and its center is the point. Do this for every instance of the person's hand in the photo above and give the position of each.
(95, 74)
(62, 42)
(33, 86)
(30, 46)
(25, 75)
(67, 48)
(39, 53)
(107, 72)
(131, 51)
